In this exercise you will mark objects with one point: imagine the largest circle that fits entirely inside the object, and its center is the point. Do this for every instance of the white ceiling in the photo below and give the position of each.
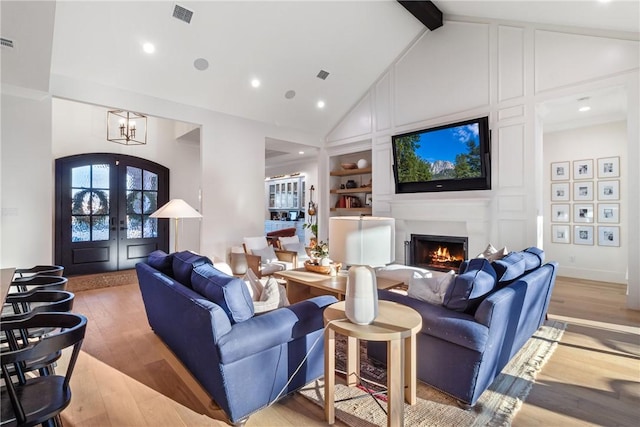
(284, 44)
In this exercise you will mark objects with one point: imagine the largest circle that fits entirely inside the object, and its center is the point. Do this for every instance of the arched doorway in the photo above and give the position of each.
(102, 208)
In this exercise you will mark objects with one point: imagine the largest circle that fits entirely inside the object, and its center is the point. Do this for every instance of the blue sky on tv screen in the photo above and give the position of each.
(445, 144)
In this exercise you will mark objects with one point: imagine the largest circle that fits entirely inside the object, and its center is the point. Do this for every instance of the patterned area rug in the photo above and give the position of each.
(496, 407)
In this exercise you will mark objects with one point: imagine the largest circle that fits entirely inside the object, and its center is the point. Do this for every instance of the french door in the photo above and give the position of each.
(103, 203)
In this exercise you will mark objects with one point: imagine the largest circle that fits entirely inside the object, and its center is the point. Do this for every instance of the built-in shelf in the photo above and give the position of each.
(350, 172)
(352, 190)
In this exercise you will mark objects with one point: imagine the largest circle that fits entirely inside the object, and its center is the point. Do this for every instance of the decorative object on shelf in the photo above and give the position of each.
(363, 163)
(312, 220)
(351, 184)
(176, 209)
(349, 165)
(126, 127)
(362, 243)
(322, 269)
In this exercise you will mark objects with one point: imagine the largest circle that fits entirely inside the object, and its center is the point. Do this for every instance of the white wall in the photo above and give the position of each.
(503, 70)
(81, 128)
(27, 181)
(587, 262)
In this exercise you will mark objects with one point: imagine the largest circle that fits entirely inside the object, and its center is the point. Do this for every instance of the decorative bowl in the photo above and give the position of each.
(321, 269)
(349, 166)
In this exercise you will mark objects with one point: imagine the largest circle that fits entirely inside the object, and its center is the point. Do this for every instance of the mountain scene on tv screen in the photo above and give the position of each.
(451, 153)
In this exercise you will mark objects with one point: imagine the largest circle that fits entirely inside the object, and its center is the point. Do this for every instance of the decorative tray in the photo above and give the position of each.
(321, 269)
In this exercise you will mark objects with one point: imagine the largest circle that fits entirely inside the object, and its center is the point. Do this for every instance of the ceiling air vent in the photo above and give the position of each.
(6, 42)
(323, 75)
(182, 13)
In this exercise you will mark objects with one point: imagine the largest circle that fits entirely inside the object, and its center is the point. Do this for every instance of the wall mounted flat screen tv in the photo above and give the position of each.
(453, 157)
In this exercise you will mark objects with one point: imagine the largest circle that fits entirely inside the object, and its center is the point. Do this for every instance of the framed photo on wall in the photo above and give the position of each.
(560, 192)
(560, 212)
(609, 212)
(583, 190)
(583, 234)
(609, 190)
(609, 167)
(560, 171)
(583, 169)
(583, 212)
(560, 234)
(608, 236)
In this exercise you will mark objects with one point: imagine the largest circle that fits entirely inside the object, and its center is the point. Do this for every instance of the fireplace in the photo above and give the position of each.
(441, 253)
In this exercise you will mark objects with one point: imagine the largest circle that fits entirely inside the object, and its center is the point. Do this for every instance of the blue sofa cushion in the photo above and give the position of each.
(510, 268)
(162, 261)
(228, 292)
(184, 263)
(471, 287)
(534, 257)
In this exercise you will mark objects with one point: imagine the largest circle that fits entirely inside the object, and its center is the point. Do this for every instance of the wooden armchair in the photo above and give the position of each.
(264, 260)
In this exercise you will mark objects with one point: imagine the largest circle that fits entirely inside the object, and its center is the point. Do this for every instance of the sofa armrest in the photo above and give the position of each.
(273, 328)
(253, 264)
(440, 322)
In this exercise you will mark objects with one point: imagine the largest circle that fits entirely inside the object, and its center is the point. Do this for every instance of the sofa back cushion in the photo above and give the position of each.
(534, 257)
(228, 292)
(471, 287)
(183, 264)
(517, 264)
(161, 261)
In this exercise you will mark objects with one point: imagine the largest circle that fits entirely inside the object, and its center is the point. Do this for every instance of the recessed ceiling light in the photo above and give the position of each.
(320, 104)
(148, 47)
(301, 152)
(290, 94)
(583, 105)
(255, 83)
(201, 64)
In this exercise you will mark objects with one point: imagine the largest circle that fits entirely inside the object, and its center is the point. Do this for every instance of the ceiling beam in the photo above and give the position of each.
(426, 12)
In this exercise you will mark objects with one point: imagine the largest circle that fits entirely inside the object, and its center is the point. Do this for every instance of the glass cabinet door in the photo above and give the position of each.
(289, 201)
(294, 200)
(272, 195)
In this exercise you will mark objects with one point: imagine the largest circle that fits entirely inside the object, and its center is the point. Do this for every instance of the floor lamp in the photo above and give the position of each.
(176, 209)
(362, 243)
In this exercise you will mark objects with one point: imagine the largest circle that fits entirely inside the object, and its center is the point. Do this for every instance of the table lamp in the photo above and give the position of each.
(362, 243)
(176, 208)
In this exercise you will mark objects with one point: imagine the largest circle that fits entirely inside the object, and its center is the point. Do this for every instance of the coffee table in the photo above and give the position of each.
(302, 284)
(396, 324)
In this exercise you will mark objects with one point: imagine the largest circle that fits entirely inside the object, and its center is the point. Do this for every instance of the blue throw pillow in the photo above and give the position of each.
(162, 261)
(184, 263)
(510, 268)
(469, 289)
(228, 292)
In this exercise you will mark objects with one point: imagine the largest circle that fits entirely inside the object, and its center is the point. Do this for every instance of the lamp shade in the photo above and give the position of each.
(176, 208)
(364, 240)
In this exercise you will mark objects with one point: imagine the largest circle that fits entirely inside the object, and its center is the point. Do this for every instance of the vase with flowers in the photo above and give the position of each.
(320, 252)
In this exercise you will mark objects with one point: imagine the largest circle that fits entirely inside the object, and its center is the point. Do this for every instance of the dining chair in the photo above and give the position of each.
(28, 400)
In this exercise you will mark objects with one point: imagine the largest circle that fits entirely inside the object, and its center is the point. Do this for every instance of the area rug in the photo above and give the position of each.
(496, 407)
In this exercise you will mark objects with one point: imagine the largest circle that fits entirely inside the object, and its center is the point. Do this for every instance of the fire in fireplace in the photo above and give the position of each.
(442, 253)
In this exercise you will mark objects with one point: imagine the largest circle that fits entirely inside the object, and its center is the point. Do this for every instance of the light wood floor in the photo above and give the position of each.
(127, 377)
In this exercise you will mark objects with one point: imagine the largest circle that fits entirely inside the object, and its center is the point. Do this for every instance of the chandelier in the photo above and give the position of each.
(126, 127)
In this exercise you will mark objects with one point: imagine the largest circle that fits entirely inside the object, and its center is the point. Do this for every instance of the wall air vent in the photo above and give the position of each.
(6, 42)
(182, 13)
(323, 75)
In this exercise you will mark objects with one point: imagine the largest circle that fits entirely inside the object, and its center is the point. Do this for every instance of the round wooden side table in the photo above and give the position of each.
(396, 324)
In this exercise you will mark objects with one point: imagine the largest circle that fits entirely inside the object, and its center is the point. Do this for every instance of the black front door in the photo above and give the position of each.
(103, 203)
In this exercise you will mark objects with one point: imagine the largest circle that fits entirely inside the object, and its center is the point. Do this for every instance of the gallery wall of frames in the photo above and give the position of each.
(585, 201)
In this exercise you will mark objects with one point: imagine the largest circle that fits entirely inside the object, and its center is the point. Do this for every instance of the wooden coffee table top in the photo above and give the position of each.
(337, 284)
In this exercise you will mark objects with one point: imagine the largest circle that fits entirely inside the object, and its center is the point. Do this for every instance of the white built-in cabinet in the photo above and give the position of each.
(284, 193)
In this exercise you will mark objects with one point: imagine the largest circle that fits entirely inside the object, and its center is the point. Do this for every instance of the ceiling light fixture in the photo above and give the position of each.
(255, 83)
(201, 64)
(583, 105)
(301, 152)
(290, 94)
(320, 104)
(125, 127)
(148, 47)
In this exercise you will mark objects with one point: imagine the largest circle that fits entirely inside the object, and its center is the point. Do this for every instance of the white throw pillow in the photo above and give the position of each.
(266, 254)
(273, 296)
(432, 287)
(493, 254)
(297, 247)
(288, 240)
(400, 272)
(254, 285)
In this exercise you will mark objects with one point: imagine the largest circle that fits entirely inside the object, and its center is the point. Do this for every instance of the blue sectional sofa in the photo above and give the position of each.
(206, 317)
(489, 311)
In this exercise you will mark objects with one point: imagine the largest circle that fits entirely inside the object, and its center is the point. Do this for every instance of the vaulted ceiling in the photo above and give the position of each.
(283, 44)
